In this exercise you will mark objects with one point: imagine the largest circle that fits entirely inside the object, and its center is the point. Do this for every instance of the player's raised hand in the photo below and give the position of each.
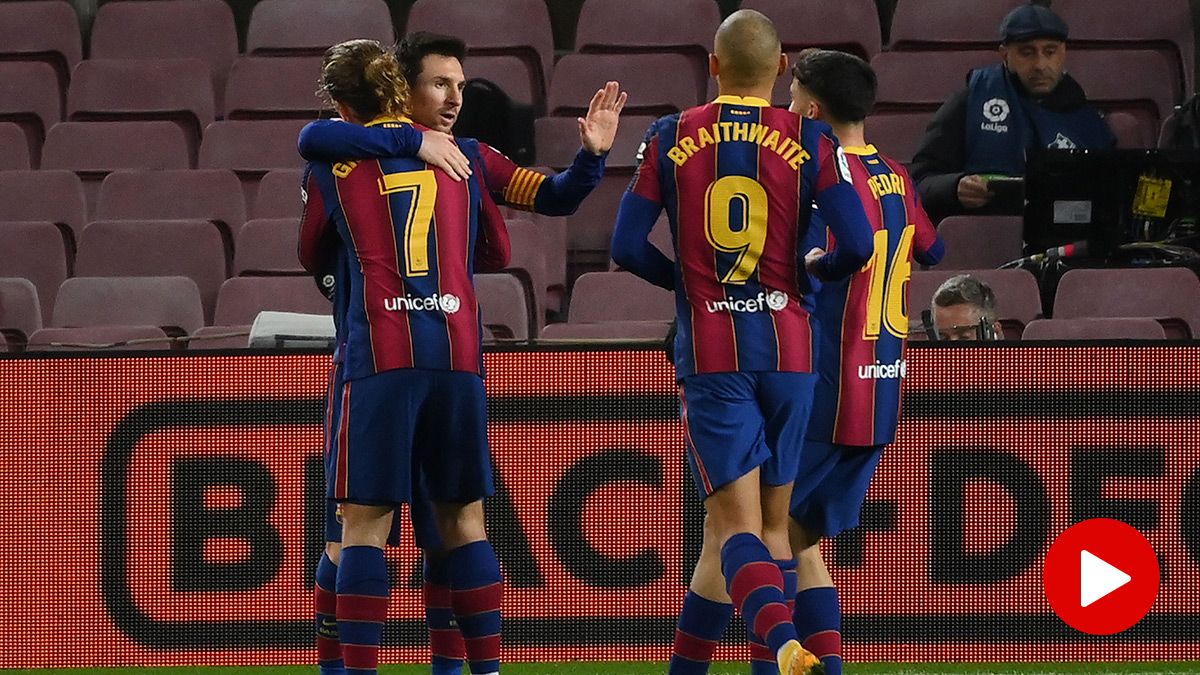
(599, 128)
(440, 150)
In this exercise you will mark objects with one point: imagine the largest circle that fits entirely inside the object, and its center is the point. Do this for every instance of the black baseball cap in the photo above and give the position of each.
(1029, 22)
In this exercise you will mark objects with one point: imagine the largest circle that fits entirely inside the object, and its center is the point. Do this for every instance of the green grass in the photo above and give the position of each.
(594, 668)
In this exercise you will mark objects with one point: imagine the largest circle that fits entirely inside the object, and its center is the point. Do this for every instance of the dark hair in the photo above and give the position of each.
(843, 83)
(366, 77)
(416, 46)
(965, 289)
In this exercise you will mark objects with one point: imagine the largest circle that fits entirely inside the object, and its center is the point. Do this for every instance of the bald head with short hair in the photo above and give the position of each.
(747, 51)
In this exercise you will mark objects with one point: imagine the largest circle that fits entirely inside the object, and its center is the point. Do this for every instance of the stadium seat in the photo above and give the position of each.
(210, 194)
(94, 149)
(593, 294)
(169, 29)
(242, 298)
(528, 264)
(29, 98)
(147, 248)
(279, 195)
(220, 337)
(1017, 297)
(517, 28)
(273, 88)
(309, 27)
(34, 251)
(267, 246)
(685, 27)
(1109, 24)
(14, 148)
(508, 73)
(652, 80)
(54, 196)
(1133, 131)
(552, 234)
(1137, 81)
(608, 330)
(1170, 295)
(251, 149)
(171, 303)
(1094, 329)
(557, 142)
(898, 134)
(86, 338)
(45, 30)
(589, 230)
(502, 303)
(660, 236)
(980, 242)
(20, 311)
(850, 25)
(943, 24)
(922, 81)
(176, 90)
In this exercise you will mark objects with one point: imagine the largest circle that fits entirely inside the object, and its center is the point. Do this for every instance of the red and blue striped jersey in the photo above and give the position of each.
(738, 179)
(410, 234)
(862, 321)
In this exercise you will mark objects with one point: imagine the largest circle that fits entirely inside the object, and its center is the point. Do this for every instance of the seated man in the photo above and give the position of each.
(964, 308)
(1027, 101)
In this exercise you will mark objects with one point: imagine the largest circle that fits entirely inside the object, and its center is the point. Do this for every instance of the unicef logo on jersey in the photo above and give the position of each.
(775, 301)
(435, 303)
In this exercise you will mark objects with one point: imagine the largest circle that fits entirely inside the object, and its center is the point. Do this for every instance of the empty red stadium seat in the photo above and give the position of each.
(147, 248)
(1017, 297)
(298, 27)
(1170, 295)
(552, 234)
(850, 25)
(589, 230)
(169, 29)
(34, 251)
(502, 302)
(1132, 131)
(171, 303)
(898, 134)
(652, 80)
(20, 311)
(47, 30)
(87, 338)
(943, 24)
(980, 242)
(557, 141)
(209, 194)
(922, 81)
(685, 27)
(528, 264)
(593, 294)
(54, 196)
(252, 147)
(508, 73)
(14, 148)
(273, 88)
(267, 246)
(608, 330)
(177, 90)
(278, 195)
(518, 28)
(1137, 81)
(220, 337)
(1094, 329)
(29, 98)
(1166, 27)
(242, 298)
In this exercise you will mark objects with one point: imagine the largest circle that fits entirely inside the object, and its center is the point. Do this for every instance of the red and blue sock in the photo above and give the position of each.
(755, 584)
(329, 648)
(476, 591)
(818, 617)
(362, 604)
(702, 623)
(445, 640)
(762, 659)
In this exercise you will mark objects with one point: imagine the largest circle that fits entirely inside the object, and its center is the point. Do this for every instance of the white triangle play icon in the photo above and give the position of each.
(1097, 578)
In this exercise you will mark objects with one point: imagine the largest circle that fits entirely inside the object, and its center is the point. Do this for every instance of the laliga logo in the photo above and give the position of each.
(775, 301)
(996, 110)
(447, 303)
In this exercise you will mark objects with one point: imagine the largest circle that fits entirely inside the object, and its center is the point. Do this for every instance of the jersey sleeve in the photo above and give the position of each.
(928, 247)
(335, 140)
(557, 195)
(314, 224)
(493, 250)
(842, 211)
(640, 207)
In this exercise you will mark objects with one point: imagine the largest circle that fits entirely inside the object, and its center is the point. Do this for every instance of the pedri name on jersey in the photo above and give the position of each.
(734, 132)
(886, 184)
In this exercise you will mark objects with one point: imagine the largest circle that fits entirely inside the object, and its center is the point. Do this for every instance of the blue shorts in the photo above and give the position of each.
(400, 427)
(831, 486)
(734, 422)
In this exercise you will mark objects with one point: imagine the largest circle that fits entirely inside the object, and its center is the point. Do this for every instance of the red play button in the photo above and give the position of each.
(1101, 576)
